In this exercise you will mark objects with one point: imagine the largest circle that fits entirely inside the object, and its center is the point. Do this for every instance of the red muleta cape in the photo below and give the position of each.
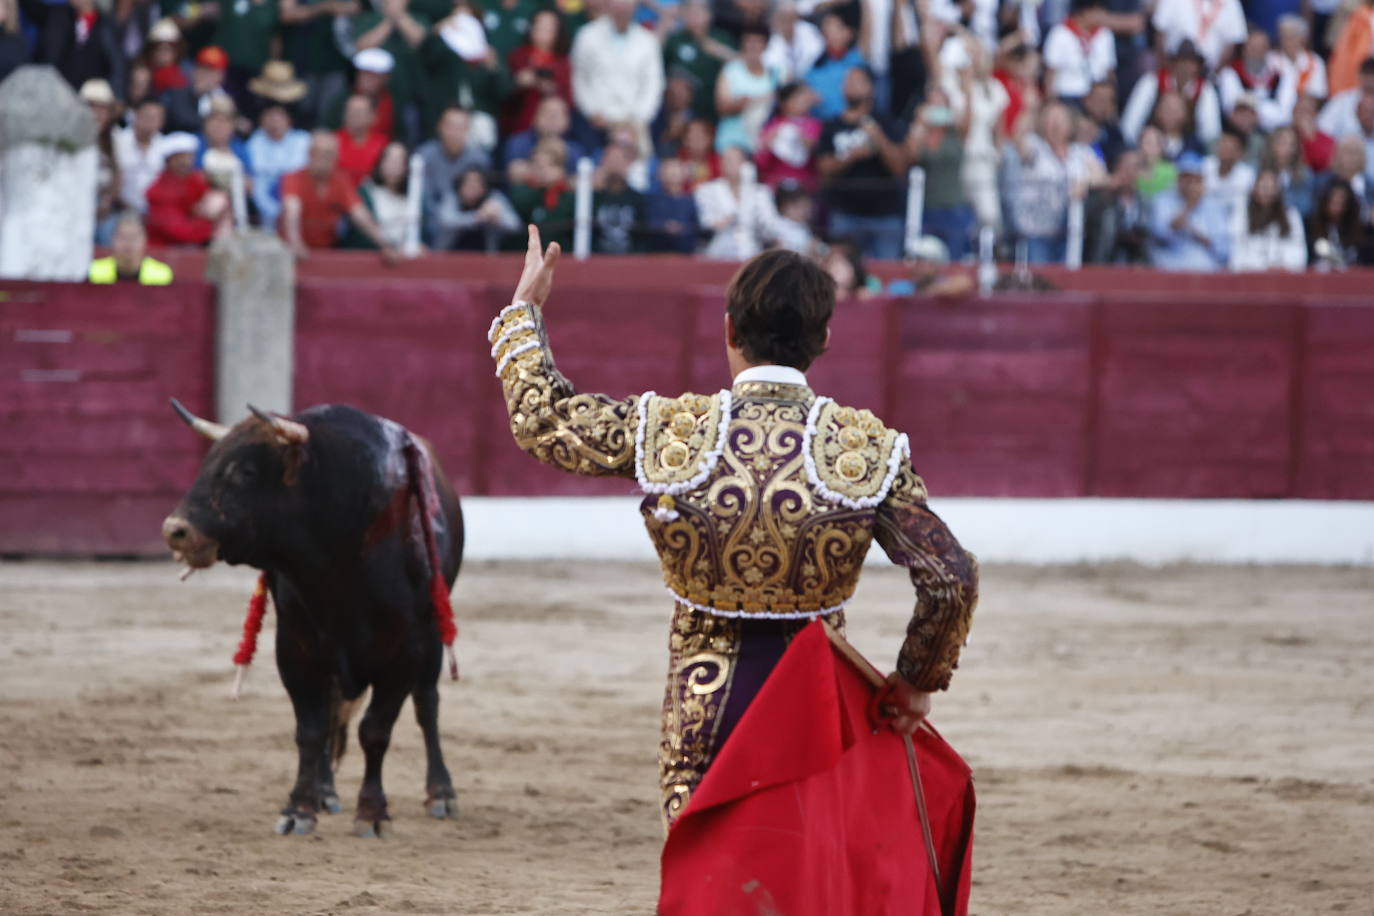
(808, 812)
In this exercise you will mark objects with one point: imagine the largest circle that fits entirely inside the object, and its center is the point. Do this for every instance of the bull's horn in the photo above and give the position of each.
(288, 430)
(211, 431)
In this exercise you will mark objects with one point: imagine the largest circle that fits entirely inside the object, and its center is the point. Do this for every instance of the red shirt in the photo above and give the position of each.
(357, 160)
(169, 77)
(1317, 150)
(523, 102)
(322, 205)
(1014, 100)
(172, 199)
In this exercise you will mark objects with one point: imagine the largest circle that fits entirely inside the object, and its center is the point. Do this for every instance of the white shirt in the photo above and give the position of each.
(138, 167)
(773, 374)
(618, 76)
(1078, 63)
(1231, 189)
(1308, 63)
(1267, 249)
(791, 60)
(1141, 102)
(1275, 109)
(1337, 118)
(1213, 25)
(718, 205)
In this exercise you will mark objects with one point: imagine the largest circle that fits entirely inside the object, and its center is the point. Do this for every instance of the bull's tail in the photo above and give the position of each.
(422, 486)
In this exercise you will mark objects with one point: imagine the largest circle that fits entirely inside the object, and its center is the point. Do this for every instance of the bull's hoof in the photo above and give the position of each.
(295, 822)
(372, 830)
(332, 804)
(441, 808)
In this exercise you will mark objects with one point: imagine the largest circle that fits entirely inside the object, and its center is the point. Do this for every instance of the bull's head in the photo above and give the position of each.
(240, 502)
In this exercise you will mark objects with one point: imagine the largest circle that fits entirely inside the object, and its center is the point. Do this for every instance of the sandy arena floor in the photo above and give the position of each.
(1190, 741)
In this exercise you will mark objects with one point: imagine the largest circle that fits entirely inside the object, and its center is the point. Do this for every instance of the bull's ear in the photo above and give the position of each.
(211, 431)
(288, 431)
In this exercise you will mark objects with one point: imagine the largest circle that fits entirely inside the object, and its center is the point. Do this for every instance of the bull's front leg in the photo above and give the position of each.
(311, 698)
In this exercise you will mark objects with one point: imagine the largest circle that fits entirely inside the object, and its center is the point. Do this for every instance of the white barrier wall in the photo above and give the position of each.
(1038, 531)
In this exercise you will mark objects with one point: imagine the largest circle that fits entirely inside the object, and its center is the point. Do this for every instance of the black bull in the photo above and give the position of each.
(327, 505)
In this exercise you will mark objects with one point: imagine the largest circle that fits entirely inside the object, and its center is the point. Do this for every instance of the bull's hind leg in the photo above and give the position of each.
(440, 799)
(374, 733)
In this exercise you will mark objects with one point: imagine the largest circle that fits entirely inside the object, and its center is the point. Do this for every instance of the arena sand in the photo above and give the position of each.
(1180, 741)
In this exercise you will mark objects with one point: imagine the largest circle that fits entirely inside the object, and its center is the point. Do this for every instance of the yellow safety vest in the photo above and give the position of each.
(150, 273)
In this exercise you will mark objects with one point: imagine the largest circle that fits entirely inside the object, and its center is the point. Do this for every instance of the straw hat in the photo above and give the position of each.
(278, 82)
(96, 92)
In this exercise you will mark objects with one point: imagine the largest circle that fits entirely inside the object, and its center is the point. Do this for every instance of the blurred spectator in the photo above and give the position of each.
(183, 209)
(14, 49)
(545, 197)
(79, 39)
(1336, 235)
(460, 68)
(221, 155)
(396, 27)
(1245, 118)
(1190, 228)
(138, 152)
(245, 30)
(744, 93)
(385, 193)
(1042, 170)
(359, 145)
(1317, 147)
(735, 235)
(671, 211)
(698, 51)
(618, 72)
(794, 45)
(1268, 232)
(1099, 105)
(1017, 69)
(670, 124)
(539, 69)
(1225, 175)
(101, 101)
(308, 42)
(617, 209)
(372, 79)
(507, 23)
(1283, 156)
(1352, 48)
(1306, 69)
(828, 75)
(477, 217)
(140, 88)
(1183, 75)
(1176, 126)
(162, 53)
(698, 152)
(1214, 27)
(1079, 52)
(977, 97)
(316, 199)
(864, 168)
(641, 168)
(1157, 172)
(1348, 165)
(275, 150)
(128, 261)
(928, 272)
(1117, 217)
(935, 143)
(446, 157)
(1337, 118)
(787, 144)
(551, 119)
(845, 264)
(795, 214)
(188, 105)
(1261, 76)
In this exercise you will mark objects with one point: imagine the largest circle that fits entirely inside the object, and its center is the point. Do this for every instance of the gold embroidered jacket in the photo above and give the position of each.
(761, 500)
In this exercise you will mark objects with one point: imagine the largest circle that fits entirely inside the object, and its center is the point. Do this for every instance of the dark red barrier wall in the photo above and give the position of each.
(91, 457)
(1142, 395)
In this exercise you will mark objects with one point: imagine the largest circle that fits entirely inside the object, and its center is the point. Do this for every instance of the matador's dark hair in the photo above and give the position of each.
(781, 303)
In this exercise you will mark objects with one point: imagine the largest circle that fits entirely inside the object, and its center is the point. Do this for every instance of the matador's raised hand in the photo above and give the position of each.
(537, 278)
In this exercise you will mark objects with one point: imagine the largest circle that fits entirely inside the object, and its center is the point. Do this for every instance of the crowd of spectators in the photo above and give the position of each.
(1196, 134)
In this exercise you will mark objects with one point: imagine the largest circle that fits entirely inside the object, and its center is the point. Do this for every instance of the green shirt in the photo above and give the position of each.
(245, 31)
(310, 46)
(1161, 178)
(448, 79)
(944, 190)
(406, 77)
(555, 223)
(682, 51)
(507, 26)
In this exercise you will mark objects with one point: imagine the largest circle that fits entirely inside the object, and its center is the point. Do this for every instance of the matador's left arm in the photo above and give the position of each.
(945, 576)
(590, 434)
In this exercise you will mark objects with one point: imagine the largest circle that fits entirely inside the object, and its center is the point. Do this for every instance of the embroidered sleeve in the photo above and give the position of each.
(589, 434)
(944, 574)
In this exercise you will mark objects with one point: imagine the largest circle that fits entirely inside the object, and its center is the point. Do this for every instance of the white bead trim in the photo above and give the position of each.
(511, 354)
(501, 316)
(901, 449)
(708, 460)
(765, 615)
(506, 337)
